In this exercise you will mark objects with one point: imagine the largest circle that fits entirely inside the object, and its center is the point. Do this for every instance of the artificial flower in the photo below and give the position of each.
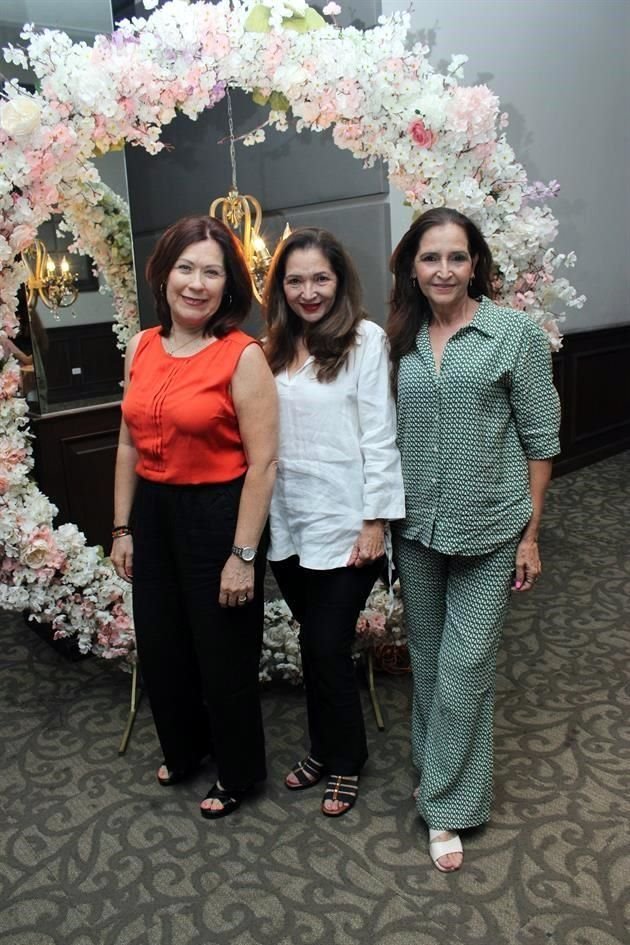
(20, 116)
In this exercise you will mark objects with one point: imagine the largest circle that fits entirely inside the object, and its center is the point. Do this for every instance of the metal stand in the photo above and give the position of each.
(369, 660)
(136, 696)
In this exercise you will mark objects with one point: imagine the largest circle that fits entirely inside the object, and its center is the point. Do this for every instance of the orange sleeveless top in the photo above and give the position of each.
(180, 414)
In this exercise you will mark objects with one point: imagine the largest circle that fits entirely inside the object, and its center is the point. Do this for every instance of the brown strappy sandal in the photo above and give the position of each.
(308, 773)
(342, 789)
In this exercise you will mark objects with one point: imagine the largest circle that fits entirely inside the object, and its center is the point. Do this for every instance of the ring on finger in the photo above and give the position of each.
(242, 599)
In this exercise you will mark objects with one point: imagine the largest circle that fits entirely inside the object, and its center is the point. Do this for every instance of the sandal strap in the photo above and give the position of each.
(440, 848)
(308, 771)
(339, 788)
(217, 793)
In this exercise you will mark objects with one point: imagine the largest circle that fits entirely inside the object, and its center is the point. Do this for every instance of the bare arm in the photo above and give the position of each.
(125, 484)
(12, 349)
(528, 564)
(255, 401)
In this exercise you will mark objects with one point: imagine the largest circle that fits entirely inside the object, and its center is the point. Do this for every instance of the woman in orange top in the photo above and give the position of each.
(194, 474)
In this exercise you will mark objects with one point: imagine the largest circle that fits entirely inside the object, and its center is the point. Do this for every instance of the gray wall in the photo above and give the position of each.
(561, 71)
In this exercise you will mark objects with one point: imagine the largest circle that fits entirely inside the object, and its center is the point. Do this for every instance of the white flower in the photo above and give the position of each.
(36, 555)
(20, 116)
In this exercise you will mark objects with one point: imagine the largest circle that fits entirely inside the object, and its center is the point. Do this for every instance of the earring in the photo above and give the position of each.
(227, 298)
(163, 288)
(471, 280)
(414, 281)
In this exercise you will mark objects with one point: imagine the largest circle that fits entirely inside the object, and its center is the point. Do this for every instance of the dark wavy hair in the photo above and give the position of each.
(330, 340)
(237, 296)
(408, 307)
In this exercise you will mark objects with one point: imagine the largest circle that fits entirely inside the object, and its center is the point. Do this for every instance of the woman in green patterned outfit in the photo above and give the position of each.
(478, 420)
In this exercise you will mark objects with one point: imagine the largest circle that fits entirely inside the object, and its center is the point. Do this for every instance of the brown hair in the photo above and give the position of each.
(408, 307)
(237, 297)
(330, 340)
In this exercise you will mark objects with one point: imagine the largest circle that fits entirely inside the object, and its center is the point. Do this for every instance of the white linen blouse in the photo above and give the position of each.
(338, 463)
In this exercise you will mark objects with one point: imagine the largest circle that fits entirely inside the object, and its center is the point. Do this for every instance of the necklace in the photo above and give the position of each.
(172, 351)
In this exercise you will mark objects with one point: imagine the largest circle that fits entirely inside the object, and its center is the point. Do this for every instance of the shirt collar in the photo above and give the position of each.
(485, 318)
(485, 321)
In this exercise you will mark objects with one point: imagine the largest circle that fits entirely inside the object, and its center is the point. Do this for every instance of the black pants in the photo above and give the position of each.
(199, 661)
(327, 604)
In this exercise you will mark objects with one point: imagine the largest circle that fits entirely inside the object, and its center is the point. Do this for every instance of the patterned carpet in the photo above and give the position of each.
(95, 852)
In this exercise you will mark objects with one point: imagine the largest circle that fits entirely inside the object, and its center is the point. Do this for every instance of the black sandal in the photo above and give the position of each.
(342, 789)
(231, 801)
(308, 773)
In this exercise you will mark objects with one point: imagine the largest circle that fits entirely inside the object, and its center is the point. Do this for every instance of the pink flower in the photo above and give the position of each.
(9, 384)
(345, 133)
(474, 111)
(331, 9)
(42, 551)
(22, 236)
(11, 455)
(422, 135)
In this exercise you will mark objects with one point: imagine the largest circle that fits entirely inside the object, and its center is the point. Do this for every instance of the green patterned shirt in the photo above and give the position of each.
(466, 433)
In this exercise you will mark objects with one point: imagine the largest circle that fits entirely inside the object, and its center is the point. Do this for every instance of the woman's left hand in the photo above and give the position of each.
(237, 583)
(369, 546)
(528, 566)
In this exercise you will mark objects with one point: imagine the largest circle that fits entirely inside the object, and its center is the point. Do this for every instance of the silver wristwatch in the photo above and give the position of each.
(245, 553)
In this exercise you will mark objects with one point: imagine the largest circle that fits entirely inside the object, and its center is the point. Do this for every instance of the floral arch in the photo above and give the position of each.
(443, 142)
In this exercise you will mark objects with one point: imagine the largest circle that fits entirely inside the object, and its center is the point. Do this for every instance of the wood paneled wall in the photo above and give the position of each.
(592, 373)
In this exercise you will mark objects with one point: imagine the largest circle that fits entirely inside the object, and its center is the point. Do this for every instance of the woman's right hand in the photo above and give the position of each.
(122, 557)
(369, 546)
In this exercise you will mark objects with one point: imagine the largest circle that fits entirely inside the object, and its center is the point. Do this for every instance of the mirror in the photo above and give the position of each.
(70, 355)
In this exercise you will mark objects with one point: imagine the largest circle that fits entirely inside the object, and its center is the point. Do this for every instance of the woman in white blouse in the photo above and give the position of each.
(339, 481)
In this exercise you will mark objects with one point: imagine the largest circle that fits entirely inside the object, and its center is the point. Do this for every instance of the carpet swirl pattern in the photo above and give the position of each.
(95, 852)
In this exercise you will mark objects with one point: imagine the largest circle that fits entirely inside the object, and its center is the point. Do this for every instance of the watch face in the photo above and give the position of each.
(248, 554)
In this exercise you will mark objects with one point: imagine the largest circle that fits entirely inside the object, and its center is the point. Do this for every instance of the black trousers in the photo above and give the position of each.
(327, 605)
(199, 661)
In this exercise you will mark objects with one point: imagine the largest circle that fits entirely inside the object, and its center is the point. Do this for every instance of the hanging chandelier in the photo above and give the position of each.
(243, 214)
(54, 284)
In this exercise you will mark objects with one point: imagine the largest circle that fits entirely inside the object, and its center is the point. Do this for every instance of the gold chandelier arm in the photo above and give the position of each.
(34, 259)
(54, 287)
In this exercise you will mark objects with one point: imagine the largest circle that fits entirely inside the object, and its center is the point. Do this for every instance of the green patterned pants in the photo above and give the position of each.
(455, 606)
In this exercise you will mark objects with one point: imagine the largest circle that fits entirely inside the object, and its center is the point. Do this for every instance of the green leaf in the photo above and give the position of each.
(304, 24)
(258, 20)
(279, 102)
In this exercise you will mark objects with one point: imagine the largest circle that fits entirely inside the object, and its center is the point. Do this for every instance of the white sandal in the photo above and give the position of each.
(440, 848)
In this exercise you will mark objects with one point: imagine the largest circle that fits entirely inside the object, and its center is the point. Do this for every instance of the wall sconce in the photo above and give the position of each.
(53, 284)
